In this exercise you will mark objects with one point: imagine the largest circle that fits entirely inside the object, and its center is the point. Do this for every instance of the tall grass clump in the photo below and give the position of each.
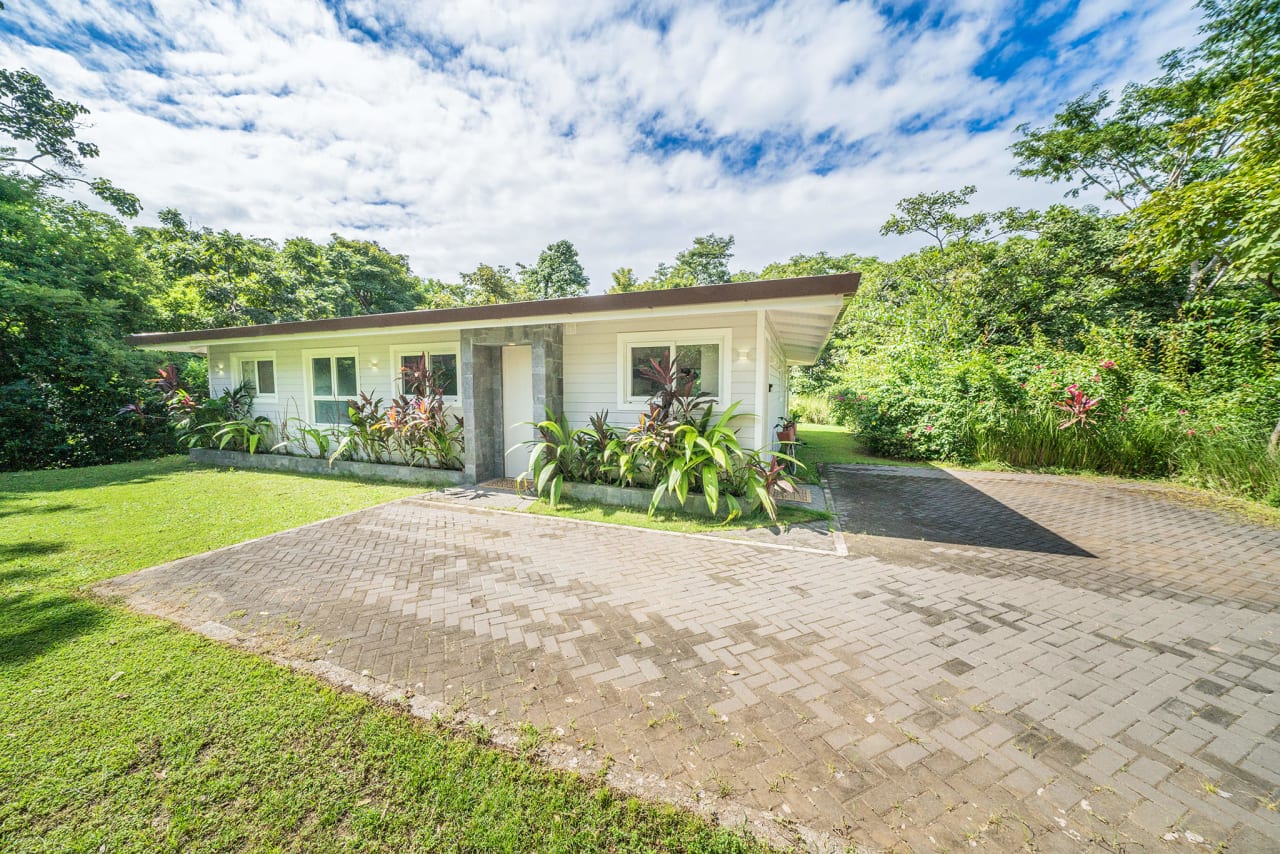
(811, 409)
(1137, 448)
(1225, 461)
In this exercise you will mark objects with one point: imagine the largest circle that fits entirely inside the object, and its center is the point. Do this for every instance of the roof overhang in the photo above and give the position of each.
(802, 311)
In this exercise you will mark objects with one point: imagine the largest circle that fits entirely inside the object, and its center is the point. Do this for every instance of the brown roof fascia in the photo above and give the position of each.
(842, 284)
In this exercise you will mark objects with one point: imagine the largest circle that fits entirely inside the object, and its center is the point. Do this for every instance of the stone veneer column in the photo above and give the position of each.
(481, 369)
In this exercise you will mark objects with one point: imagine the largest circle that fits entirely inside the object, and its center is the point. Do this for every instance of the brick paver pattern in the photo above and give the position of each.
(1008, 660)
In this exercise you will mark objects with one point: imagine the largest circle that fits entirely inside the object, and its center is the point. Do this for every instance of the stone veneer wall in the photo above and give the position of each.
(481, 376)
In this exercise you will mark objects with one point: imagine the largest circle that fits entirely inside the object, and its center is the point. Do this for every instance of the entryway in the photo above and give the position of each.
(517, 407)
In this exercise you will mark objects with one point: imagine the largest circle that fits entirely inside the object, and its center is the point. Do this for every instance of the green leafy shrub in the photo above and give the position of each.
(679, 448)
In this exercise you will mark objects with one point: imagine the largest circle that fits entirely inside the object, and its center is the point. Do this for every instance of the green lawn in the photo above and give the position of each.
(123, 732)
(831, 443)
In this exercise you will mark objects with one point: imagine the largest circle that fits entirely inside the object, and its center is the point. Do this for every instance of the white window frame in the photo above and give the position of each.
(309, 382)
(259, 356)
(627, 341)
(443, 348)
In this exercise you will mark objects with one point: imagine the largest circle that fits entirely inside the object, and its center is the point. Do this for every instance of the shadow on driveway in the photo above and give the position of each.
(931, 504)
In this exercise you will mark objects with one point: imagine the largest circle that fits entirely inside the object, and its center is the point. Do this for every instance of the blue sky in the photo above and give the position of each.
(461, 133)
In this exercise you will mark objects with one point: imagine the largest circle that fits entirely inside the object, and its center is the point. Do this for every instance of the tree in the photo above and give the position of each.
(818, 264)
(488, 285)
(1227, 224)
(46, 129)
(624, 281)
(373, 280)
(961, 242)
(225, 278)
(706, 262)
(72, 283)
(1168, 134)
(559, 273)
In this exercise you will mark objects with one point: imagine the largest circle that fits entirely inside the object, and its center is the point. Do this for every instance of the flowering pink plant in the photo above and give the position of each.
(1077, 406)
(1106, 364)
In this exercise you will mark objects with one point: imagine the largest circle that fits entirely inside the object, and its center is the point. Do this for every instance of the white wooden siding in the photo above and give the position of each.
(777, 398)
(591, 365)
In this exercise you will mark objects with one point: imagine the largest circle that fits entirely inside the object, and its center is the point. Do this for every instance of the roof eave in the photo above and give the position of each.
(842, 284)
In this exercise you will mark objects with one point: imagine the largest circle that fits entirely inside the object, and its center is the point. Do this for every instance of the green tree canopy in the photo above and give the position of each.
(558, 273)
(46, 131)
(72, 283)
(1169, 150)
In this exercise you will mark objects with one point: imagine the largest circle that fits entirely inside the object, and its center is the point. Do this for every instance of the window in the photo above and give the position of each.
(259, 370)
(333, 381)
(698, 357)
(443, 364)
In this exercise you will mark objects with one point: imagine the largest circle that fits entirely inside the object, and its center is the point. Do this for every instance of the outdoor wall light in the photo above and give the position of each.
(220, 368)
(744, 354)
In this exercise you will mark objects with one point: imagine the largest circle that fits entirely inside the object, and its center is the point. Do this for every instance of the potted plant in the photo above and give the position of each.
(787, 429)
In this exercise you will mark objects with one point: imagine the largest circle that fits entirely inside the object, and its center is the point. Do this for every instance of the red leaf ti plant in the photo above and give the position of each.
(1077, 406)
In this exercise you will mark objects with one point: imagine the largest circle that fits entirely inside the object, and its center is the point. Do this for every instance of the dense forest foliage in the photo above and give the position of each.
(1140, 340)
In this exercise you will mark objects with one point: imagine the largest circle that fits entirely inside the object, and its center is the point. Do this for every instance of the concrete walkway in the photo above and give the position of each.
(1005, 661)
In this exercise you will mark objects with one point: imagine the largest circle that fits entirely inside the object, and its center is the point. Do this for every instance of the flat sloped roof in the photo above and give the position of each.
(839, 284)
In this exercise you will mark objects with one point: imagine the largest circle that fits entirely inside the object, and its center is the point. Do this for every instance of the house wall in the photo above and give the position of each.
(776, 402)
(290, 400)
(592, 366)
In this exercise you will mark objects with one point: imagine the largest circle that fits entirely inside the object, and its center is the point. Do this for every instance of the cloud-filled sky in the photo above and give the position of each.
(478, 131)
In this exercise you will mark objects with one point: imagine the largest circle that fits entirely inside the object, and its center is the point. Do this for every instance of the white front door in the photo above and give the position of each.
(517, 406)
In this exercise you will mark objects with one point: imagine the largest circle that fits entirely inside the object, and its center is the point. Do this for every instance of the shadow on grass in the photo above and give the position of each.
(10, 552)
(935, 506)
(31, 625)
(15, 484)
(9, 506)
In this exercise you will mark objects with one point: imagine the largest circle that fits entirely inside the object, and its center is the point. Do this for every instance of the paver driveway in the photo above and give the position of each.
(1003, 660)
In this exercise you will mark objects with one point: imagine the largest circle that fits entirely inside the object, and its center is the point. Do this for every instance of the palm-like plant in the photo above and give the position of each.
(551, 458)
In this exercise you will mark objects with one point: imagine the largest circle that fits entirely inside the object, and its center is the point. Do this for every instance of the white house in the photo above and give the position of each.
(513, 362)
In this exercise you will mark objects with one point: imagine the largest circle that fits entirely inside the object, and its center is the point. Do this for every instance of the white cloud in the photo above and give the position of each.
(481, 131)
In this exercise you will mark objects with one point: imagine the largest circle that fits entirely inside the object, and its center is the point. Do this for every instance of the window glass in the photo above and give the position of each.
(266, 376)
(642, 359)
(445, 368)
(701, 364)
(322, 377)
(333, 383)
(345, 369)
(413, 365)
(332, 412)
(246, 372)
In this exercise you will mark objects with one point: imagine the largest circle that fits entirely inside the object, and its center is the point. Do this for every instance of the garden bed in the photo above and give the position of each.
(311, 465)
(640, 498)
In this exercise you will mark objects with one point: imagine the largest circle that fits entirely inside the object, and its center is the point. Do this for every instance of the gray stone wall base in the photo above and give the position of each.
(348, 468)
(630, 496)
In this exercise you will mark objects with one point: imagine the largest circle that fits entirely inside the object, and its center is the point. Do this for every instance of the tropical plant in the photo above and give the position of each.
(420, 431)
(760, 477)
(365, 436)
(417, 424)
(593, 450)
(1077, 406)
(674, 399)
(552, 458)
(244, 433)
(697, 454)
(297, 436)
(701, 456)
